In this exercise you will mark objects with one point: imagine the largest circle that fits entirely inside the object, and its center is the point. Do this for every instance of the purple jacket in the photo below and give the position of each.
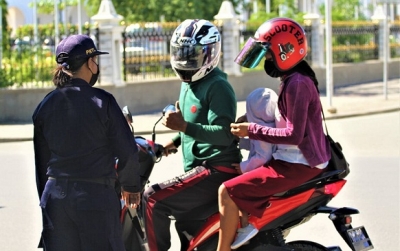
(304, 128)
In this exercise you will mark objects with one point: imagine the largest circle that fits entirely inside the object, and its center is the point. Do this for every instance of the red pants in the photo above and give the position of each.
(187, 197)
(251, 191)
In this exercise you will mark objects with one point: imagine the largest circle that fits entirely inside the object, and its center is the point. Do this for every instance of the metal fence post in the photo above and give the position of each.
(87, 28)
(124, 54)
(382, 39)
(384, 47)
(97, 40)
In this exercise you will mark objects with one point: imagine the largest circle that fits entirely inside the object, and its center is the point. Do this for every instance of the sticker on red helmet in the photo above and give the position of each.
(287, 39)
(286, 28)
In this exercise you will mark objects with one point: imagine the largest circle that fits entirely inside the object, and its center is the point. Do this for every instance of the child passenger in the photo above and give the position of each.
(260, 109)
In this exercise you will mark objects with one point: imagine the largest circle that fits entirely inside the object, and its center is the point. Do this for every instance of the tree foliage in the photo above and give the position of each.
(47, 6)
(278, 8)
(161, 10)
(179, 10)
(92, 6)
(344, 10)
(4, 26)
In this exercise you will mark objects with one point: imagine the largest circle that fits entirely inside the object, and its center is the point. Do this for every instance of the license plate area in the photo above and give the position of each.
(359, 239)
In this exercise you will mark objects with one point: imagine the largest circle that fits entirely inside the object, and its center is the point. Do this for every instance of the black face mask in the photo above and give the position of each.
(271, 70)
(95, 77)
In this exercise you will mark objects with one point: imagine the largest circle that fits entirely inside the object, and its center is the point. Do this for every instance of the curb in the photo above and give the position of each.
(10, 140)
(362, 114)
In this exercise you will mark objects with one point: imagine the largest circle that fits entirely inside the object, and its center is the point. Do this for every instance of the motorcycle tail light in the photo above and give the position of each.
(334, 188)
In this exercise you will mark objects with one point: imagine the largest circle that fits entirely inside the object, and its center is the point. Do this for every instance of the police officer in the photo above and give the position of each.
(79, 131)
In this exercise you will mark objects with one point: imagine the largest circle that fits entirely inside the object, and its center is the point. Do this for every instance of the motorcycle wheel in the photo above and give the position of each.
(306, 246)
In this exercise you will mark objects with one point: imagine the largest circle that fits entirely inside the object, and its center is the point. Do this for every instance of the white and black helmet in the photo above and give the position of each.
(195, 49)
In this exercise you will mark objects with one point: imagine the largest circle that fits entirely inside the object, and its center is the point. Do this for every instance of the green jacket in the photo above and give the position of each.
(209, 107)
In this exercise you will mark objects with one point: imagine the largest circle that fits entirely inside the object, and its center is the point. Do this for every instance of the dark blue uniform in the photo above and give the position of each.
(78, 132)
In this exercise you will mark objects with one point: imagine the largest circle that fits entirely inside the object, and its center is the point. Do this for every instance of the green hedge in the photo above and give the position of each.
(27, 68)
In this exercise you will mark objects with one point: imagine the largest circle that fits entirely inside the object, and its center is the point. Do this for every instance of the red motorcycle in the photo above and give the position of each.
(287, 210)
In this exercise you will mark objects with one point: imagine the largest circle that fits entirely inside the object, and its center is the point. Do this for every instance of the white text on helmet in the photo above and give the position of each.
(186, 41)
(286, 28)
(210, 41)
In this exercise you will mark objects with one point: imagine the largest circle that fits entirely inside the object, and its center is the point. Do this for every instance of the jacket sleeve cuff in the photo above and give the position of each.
(177, 140)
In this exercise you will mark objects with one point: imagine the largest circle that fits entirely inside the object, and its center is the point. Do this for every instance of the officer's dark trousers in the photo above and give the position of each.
(80, 216)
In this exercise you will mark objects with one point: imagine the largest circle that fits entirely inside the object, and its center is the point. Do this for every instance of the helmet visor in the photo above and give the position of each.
(251, 54)
(193, 57)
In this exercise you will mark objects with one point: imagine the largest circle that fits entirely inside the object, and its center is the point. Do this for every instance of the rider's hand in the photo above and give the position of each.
(131, 199)
(174, 120)
(242, 119)
(168, 147)
(240, 130)
(237, 167)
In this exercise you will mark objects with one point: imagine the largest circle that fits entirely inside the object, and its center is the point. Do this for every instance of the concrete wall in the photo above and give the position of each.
(17, 106)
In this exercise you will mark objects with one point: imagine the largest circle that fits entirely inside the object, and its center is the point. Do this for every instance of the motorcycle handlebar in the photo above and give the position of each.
(160, 151)
(173, 150)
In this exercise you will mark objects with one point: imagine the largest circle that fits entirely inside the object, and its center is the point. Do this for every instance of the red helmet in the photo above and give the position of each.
(283, 37)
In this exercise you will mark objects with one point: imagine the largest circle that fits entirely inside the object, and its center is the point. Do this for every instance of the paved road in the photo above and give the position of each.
(370, 143)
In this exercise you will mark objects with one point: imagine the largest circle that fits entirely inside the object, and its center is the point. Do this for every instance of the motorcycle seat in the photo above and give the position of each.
(320, 179)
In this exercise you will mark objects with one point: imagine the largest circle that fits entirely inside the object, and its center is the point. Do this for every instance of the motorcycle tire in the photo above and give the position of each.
(306, 246)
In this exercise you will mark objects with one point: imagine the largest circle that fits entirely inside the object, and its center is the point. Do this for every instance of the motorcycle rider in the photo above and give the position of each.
(302, 148)
(204, 112)
(78, 132)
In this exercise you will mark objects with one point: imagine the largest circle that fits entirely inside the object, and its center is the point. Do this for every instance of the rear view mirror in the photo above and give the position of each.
(169, 108)
(127, 114)
(128, 117)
